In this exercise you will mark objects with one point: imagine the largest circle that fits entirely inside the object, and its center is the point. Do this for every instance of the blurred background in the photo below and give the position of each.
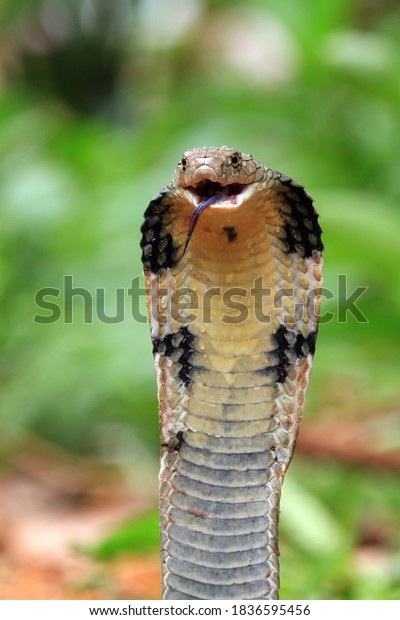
(98, 100)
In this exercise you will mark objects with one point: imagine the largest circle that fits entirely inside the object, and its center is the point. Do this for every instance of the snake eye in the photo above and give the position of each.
(235, 159)
(183, 162)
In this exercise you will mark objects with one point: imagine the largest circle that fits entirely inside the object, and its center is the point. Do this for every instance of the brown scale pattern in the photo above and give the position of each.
(231, 394)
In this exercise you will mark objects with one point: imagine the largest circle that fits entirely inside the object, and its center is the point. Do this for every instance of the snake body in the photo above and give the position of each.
(233, 301)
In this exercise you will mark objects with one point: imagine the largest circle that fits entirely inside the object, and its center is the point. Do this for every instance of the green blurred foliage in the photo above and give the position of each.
(96, 106)
(138, 536)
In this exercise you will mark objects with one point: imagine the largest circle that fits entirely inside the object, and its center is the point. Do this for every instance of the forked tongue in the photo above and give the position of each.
(196, 214)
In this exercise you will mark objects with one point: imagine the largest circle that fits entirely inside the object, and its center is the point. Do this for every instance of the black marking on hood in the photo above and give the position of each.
(289, 346)
(158, 251)
(305, 344)
(179, 347)
(231, 233)
(303, 232)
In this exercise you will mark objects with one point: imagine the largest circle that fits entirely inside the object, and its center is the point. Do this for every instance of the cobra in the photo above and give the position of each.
(232, 258)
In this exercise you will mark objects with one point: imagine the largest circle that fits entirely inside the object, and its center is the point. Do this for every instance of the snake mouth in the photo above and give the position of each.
(208, 194)
(206, 189)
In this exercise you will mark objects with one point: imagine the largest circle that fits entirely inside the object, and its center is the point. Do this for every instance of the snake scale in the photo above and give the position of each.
(232, 258)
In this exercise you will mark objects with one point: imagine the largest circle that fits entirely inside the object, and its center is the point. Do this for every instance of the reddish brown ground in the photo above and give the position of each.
(51, 502)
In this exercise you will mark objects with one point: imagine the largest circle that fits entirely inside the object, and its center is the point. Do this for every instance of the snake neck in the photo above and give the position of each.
(230, 406)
